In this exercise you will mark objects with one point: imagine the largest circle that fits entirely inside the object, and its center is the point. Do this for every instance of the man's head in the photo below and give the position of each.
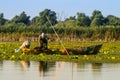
(43, 35)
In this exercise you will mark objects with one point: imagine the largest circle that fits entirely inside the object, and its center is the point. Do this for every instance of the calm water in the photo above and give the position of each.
(34, 70)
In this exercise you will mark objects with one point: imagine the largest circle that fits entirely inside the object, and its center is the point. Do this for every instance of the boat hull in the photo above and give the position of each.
(90, 50)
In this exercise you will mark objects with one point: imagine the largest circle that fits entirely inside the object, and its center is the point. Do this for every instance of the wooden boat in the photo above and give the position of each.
(90, 50)
(36, 50)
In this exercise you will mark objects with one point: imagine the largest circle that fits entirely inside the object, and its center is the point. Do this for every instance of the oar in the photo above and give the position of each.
(57, 35)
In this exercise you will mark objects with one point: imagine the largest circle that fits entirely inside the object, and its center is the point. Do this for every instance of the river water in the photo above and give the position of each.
(40, 70)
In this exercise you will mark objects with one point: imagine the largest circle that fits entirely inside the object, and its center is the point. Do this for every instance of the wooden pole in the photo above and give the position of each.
(57, 35)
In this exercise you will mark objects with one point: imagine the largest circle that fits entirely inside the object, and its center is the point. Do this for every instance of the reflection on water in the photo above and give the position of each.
(96, 66)
(1, 64)
(46, 70)
(25, 64)
(44, 67)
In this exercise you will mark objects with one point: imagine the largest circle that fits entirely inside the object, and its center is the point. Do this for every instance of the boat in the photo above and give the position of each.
(90, 50)
(36, 50)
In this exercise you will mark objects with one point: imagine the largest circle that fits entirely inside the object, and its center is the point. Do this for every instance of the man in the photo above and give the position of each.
(42, 40)
(25, 44)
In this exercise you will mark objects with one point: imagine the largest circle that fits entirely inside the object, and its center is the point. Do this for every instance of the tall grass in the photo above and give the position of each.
(15, 32)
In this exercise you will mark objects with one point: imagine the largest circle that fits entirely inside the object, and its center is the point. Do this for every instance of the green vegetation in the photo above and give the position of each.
(81, 26)
(110, 52)
(108, 33)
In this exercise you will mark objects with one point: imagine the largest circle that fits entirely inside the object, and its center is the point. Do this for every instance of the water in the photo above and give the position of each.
(40, 70)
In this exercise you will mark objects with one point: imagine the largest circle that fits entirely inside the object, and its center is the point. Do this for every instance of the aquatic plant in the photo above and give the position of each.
(110, 52)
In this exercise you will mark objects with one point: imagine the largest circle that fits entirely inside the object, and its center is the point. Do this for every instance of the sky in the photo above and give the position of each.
(63, 8)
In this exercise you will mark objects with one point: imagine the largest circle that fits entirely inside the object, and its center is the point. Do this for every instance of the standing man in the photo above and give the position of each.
(43, 42)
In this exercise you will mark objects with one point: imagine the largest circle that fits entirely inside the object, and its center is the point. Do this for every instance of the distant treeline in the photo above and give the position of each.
(81, 26)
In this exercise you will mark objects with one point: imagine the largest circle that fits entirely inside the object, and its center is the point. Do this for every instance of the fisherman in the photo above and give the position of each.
(26, 44)
(43, 42)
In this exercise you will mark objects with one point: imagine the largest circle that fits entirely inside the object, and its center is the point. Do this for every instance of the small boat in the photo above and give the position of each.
(36, 50)
(90, 50)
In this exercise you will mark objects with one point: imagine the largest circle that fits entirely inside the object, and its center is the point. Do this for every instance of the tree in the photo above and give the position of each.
(96, 22)
(35, 21)
(83, 20)
(70, 18)
(97, 18)
(113, 20)
(70, 22)
(22, 18)
(2, 20)
(42, 18)
(51, 16)
(95, 14)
